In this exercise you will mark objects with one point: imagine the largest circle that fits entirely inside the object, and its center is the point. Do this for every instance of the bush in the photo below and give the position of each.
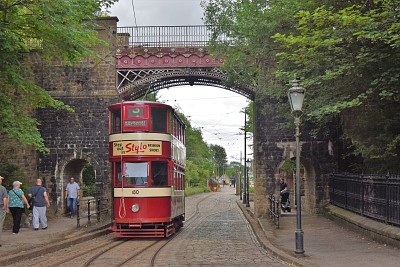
(88, 190)
(251, 190)
(196, 190)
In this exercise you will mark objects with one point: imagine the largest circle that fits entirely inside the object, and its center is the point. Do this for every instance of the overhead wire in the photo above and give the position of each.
(134, 13)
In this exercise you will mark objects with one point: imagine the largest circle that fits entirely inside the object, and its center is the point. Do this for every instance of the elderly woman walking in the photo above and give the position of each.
(16, 200)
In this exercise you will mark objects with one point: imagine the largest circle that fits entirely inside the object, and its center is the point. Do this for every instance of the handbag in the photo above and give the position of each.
(32, 200)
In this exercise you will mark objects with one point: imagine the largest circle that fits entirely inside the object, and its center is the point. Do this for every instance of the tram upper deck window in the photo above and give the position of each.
(159, 172)
(115, 121)
(136, 173)
(159, 119)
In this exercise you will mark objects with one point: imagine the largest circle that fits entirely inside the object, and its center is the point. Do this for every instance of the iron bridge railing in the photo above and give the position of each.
(165, 36)
(374, 196)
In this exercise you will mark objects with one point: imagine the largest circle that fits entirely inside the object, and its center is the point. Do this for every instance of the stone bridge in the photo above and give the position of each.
(138, 61)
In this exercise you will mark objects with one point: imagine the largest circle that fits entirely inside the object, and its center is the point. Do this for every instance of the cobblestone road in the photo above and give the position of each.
(218, 235)
(215, 234)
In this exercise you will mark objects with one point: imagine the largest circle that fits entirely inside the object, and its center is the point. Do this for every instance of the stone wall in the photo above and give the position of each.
(273, 146)
(80, 137)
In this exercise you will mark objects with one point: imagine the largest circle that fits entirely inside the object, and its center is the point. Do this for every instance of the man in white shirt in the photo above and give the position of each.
(72, 195)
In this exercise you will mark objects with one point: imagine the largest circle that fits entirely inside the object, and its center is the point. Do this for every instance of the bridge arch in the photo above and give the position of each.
(149, 81)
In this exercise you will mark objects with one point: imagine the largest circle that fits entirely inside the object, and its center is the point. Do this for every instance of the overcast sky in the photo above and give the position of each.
(216, 111)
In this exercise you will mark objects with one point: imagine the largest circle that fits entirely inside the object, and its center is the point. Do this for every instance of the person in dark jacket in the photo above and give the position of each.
(39, 205)
(282, 185)
(285, 203)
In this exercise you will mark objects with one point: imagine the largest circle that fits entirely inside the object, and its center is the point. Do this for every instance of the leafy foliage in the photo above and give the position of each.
(57, 31)
(88, 180)
(11, 173)
(220, 158)
(199, 159)
(346, 52)
(350, 60)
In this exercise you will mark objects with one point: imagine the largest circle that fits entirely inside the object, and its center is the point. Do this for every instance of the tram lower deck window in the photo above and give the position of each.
(136, 173)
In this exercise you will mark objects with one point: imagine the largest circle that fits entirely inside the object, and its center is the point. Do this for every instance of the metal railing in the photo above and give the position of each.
(274, 209)
(164, 36)
(374, 196)
(96, 207)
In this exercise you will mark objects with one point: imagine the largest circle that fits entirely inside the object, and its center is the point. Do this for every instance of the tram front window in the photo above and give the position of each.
(136, 173)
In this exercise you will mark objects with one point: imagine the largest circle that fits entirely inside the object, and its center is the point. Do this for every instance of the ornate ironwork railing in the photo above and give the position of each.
(164, 36)
(374, 196)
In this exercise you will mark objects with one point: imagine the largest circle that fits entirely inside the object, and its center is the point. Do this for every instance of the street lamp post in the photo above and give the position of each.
(296, 97)
(248, 163)
(245, 196)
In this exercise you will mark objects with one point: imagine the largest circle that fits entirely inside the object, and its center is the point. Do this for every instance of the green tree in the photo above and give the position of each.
(199, 158)
(57, 31)
(346, 53)
(220, 157)
(350, 61)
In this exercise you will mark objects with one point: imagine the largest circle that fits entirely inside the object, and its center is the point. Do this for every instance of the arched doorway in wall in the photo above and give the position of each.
(287, 170)
(85, 174)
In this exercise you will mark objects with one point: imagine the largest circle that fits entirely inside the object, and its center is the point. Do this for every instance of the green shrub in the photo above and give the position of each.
(88, 190)
(251, 190)
(196, 190)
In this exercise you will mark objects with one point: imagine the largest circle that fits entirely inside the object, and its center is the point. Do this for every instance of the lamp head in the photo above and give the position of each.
(296, 96)
(248, 162)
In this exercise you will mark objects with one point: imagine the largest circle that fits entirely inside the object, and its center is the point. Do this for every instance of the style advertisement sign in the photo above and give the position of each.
(137, 148)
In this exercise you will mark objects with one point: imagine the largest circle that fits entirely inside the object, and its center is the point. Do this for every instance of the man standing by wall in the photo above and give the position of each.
(3, 205)
(39, 205)
(72, 195)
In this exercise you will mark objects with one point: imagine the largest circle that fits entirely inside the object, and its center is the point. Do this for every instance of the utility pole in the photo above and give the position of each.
(239, 183)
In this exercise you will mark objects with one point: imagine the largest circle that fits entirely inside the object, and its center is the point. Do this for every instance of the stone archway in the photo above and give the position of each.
(73, 167)
(286, 169)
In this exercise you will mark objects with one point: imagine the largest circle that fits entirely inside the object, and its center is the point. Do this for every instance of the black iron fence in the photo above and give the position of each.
(375, 196)
(274, 209)
(92, 209)
(164, 36)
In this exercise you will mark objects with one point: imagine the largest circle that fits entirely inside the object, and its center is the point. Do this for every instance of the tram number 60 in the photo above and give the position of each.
(135, 192)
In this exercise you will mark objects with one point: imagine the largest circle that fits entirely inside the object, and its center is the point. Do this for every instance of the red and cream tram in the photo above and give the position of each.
(148, 155)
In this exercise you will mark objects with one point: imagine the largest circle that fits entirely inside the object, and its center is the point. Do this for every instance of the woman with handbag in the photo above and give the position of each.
(16, 200)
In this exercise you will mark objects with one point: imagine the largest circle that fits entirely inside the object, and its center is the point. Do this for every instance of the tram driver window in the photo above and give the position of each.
(159, 170)
(136, 173)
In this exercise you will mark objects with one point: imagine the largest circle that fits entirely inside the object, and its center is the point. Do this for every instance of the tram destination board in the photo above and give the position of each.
(136, 123)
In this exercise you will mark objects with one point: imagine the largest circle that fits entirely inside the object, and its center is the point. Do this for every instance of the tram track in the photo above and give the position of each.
(82, 253)
(141, 251)
(187, 230)
(99, 249)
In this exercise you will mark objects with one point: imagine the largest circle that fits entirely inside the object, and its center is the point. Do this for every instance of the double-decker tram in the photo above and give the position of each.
(148, 155)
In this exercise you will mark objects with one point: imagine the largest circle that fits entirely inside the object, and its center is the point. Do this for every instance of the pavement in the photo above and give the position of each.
(61, 232)
(326, 242)
(338, 238)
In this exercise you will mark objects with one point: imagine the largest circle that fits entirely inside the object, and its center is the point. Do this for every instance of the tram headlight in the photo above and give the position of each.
(135, 208)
